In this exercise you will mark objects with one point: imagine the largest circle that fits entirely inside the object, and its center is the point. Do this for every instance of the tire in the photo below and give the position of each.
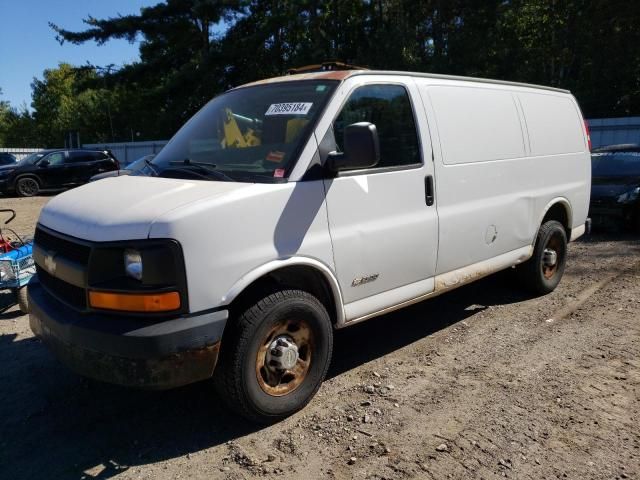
(27, 187)
(536, 274)
(23, 300)
(247, 377)
(633, 224)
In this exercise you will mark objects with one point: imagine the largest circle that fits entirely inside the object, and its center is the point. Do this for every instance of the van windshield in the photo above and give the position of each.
(252, 134)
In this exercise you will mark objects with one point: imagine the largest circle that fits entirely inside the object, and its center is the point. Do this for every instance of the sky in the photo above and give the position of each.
(28, 45)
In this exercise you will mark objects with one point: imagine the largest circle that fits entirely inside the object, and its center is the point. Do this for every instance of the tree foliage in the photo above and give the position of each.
(16, 126)
(179, 67)
(191, 50)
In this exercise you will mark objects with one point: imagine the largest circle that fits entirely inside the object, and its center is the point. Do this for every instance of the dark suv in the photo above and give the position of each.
(54, 170)
(7, 159)
(615, 187)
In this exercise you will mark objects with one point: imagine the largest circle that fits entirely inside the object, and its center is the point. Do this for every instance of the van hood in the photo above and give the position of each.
(124, 208)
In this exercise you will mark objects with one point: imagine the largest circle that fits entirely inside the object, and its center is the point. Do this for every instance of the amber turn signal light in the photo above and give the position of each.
(135, 302)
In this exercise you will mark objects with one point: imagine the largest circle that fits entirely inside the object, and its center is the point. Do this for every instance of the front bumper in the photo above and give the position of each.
(128, 351)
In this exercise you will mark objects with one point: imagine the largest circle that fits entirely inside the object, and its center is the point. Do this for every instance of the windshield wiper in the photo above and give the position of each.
(253, 177)
(207, 167)
(190, 171)
(151, 166)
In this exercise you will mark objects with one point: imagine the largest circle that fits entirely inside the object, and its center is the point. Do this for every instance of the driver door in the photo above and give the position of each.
(384, 229)
(52, 169)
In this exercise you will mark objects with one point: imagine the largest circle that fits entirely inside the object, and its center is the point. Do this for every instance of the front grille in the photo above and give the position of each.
(62, 248)
(68, 260)
(69, 294)
(65, 248)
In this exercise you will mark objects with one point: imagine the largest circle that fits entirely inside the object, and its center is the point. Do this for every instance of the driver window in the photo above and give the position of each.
(55, 158)
(388, 107)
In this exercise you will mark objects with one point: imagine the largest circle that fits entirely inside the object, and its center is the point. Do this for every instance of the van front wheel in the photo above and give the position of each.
(275, 356)
(543, 271)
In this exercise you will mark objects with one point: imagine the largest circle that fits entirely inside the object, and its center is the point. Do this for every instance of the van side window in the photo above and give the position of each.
(388, 107)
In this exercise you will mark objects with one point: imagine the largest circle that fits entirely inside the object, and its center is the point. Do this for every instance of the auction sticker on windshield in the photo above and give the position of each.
(289, 108)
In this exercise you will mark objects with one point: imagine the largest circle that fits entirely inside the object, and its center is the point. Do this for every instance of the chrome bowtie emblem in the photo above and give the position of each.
(50, 263)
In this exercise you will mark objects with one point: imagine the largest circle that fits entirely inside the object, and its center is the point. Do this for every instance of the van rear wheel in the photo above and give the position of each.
(543, 271)
(275, 356)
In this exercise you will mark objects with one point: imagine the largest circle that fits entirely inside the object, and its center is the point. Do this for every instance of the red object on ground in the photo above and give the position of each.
(5, 246)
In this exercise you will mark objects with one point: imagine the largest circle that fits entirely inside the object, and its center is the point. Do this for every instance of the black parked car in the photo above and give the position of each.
(137, 167)
(615, 187)
(7, 159)
(54, 170)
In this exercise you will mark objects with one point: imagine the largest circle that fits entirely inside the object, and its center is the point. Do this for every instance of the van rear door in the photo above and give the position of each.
(503, 154)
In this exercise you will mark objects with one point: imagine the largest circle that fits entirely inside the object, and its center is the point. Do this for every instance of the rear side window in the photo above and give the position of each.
(388, 107)
(477, 124)
(95, 156)
(79, 157)
(553, 123)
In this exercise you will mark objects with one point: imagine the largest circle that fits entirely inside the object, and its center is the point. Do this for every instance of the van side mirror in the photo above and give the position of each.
(361, 148)
(44, 163)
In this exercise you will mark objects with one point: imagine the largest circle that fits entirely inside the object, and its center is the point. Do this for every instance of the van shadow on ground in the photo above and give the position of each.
(60, 425)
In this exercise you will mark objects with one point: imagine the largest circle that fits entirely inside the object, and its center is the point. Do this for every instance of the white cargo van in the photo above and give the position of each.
(290, 207)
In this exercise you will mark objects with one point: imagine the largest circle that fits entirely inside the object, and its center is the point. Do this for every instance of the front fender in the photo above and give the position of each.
(247, 279)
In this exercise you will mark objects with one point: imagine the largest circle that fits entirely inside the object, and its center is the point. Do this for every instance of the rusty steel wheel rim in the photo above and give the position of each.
(554, 245)
(275, 376)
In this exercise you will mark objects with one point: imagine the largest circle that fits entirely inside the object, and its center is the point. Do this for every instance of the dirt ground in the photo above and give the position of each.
(483, 382)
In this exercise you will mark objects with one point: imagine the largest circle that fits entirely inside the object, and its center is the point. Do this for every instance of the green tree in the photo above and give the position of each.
(179, 67)
(21, 129)
(68, 98)
(5, 111)
(16, 126)
(191, 50)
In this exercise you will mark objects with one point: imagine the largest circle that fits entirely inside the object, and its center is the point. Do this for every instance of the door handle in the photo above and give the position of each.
(428, 187)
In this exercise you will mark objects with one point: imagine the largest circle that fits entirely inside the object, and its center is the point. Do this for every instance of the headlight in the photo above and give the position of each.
(139, 276)
(630, 196)
(6, 272)
(133, 264)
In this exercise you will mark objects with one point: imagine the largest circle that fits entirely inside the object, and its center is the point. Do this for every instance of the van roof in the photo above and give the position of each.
(343, 74)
